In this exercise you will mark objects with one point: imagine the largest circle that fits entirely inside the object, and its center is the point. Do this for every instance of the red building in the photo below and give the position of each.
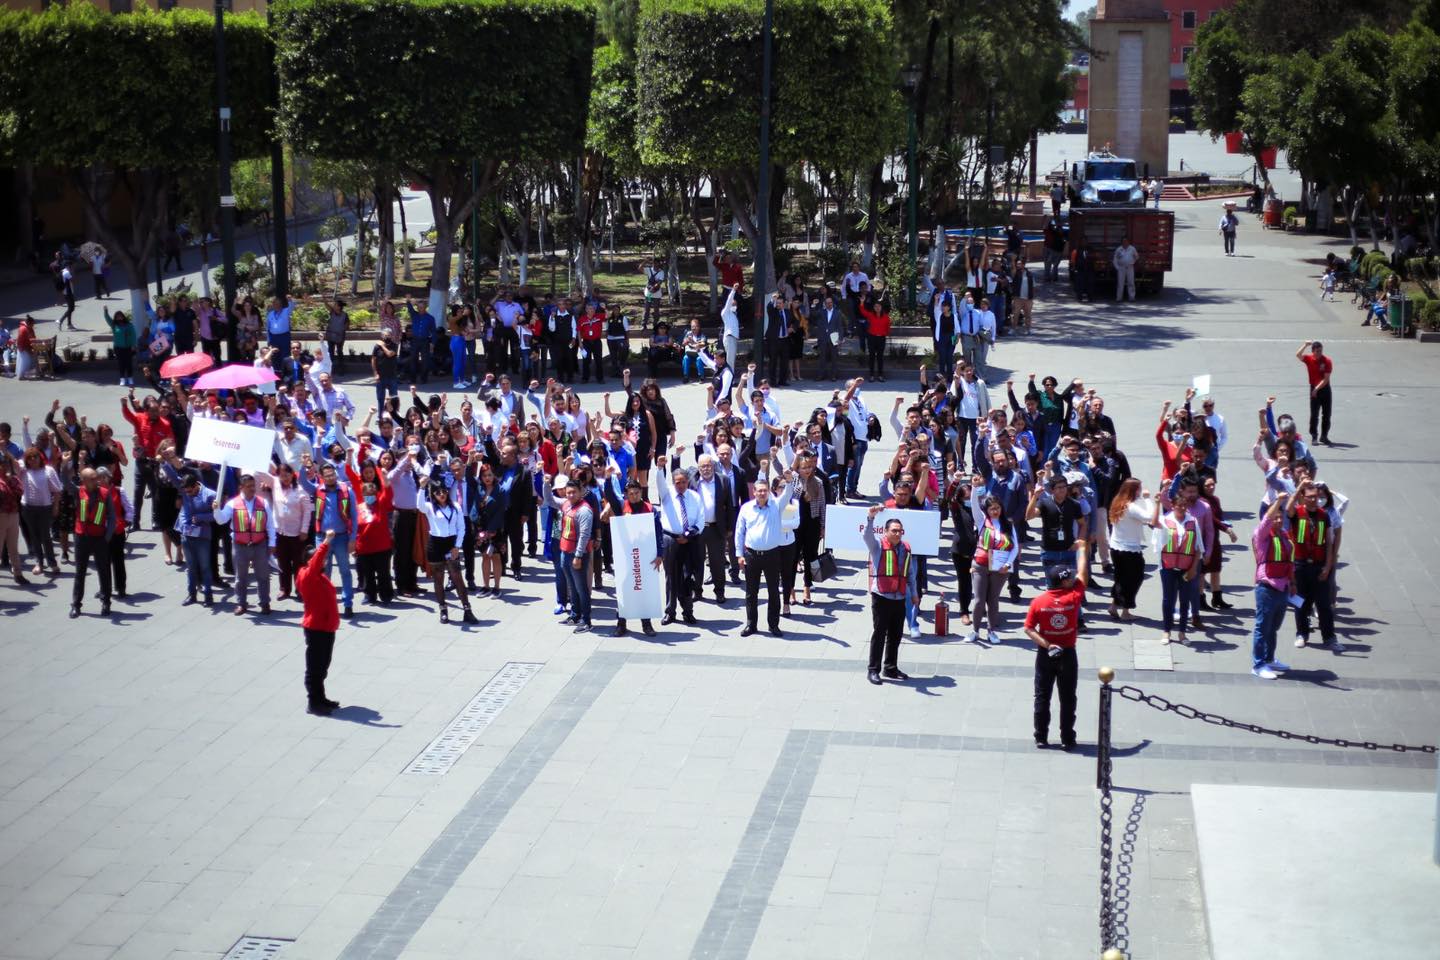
(1186, 16)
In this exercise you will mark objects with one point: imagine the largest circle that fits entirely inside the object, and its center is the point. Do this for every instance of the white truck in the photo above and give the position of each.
(1104, 180)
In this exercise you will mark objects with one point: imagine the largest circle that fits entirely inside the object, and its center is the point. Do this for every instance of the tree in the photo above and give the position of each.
(698, 61)
(437, 108)
(147, 113)
(1223, 63)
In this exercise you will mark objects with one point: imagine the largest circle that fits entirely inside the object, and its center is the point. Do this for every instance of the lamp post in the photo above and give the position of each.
(762, 215)
(227, 198)
(277, 186)
(909, 84)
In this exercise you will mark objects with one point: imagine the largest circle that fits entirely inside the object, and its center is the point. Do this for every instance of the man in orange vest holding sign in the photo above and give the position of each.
(252, 542)
(1053, 622)
(97, 510)
(892, 583)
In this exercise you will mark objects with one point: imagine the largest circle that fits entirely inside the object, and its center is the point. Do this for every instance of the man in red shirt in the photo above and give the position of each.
(322, 619)
(1053, 622)
(150, 430)
(1317, 368)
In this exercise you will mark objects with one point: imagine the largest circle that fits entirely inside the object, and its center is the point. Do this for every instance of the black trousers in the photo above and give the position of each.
(682, 574)
(1317, 596)
(374, 571)
(87, 547)
(515, 535)
(875, 354)
(807, 540)
(712, 542)
(964, 586)
(788, 554)
(319, 646)
(145, 480)
(767, 564)
(220, 548)
(116, 551)
(777, 361)
(1062, 671)
(1129, 574)
(888, 618)
(1320, 414)
(594, 360)
(405, 579)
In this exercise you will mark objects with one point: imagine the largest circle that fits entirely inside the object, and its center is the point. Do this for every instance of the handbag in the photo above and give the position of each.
(823, 568)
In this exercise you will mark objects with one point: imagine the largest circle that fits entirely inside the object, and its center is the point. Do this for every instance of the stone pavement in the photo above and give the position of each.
(163, 795)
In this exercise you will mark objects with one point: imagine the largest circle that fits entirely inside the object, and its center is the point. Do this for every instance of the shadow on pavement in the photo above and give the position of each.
(364, 716)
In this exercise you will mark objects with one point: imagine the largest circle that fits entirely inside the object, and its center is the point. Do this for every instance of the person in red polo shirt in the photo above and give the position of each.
(322, 619)
(1053, 622)
(1318, 368)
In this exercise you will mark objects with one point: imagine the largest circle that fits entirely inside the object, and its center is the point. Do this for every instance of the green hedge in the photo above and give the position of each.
(1430, 315)
(1373, 259)
(834, 98)
(135, 91)
(408, 81)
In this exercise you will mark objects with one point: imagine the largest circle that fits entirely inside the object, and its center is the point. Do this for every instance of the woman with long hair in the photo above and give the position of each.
(996, 553)
(40, 496)
(1131, 515)
(812, 518)
(442, 553)
(488, 510)
(11, 490)
(640, 425)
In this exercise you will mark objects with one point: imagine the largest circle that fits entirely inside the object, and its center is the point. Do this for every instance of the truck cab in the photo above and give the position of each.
(1105, 180)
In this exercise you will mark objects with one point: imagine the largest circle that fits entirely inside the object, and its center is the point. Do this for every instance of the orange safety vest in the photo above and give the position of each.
(893, 571)
(569, 529)
(1309, 535)
(991, 538)
(1279, 560)
(90, 513)
(248, 528)
(1179, 549)
(345, 500)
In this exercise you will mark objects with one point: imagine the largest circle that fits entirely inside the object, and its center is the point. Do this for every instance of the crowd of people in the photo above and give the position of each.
(513, 471)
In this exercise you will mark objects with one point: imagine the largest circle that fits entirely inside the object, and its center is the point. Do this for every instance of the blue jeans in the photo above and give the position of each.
(945, 356)
(690, 366)
(853, 479)
(578, 584)
(1270, 606)
(1172, 588)
(1050, 558)
(562, 582)
(340, 553)
(197, 565)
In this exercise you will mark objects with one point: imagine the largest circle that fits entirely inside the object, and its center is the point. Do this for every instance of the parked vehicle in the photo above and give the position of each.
(1105, 180)
(1151, 231)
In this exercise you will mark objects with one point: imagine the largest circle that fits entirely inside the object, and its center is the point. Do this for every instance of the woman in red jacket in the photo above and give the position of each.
(876, 313)
(322, 619)
(373, 544)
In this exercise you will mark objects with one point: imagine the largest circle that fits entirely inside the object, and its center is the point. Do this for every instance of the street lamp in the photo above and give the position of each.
(762, 215)
(227, 197)
(910, 85)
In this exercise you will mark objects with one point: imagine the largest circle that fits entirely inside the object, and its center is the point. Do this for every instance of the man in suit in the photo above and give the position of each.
(943, 326)
(777, 328)
(717, 493)
(827, 322)
(738, 484)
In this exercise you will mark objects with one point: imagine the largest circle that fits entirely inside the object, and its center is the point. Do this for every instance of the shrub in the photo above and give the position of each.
(362, 319)
(1381, 272)
(1373, 259)
(308, 316)
(1430, 316)
(1290, 213)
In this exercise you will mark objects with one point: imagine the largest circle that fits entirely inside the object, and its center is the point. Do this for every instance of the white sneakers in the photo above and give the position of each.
(974, 637)
(1300, 641)
(1264, 672)
(915, 633)
(1278, 666)
(993, 637)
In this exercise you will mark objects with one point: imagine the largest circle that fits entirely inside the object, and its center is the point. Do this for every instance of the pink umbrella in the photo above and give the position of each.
(186, 364)
(236, 376)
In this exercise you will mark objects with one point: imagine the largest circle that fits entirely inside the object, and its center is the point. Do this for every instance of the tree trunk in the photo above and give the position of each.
(872, 212)
(146, 220)
(450, 211)
(406, 273)
(25, 209)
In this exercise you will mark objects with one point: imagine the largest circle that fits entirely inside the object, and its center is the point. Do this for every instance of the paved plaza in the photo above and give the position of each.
(514, 790)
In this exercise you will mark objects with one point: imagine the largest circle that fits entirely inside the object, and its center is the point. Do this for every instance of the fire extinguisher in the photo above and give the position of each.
(942, 617)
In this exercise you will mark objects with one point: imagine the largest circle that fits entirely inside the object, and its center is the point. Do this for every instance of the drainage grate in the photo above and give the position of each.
(256, 948)
(446, 749)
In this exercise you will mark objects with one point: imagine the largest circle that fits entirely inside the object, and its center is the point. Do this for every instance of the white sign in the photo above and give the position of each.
(845, 529)
(232, 444)
(639, 594)
(1201, 383)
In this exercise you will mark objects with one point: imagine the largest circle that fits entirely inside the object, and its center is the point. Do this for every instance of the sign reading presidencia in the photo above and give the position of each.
(845, 529)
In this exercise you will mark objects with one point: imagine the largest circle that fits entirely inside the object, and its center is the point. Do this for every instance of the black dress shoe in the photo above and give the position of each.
(875, 677)
(776, 632)
(690, 619)
(668, 619)
(747, 631)
(333, 704)
(349, 611)
(620, 632)
(648, 630)
(320, 709)
(74, 612)
(189, 600)
(1041, 743)
(1068, 746)
(105, 608)
(469, 618)
(894, 673)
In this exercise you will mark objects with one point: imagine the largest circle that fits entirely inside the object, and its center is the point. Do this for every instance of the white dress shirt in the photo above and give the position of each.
(705, 489)
(681, 515)
(446, 521)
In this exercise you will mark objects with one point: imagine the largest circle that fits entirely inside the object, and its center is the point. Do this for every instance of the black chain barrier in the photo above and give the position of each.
(1191, 713)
